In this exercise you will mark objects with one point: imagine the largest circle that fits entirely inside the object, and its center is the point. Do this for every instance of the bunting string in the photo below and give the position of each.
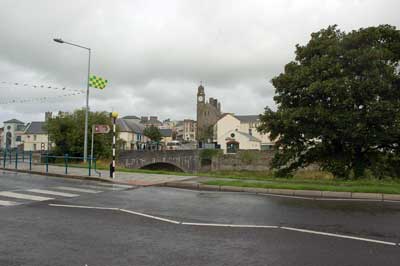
(67, 92)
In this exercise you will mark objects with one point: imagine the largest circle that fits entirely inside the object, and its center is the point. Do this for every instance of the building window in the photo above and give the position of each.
(18, 138)
(250, 131)
(34, 147)
(34, 137)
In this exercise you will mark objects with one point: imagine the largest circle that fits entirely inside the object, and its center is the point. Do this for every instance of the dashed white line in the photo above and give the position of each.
(50, 192)
(338, 235)
(234, 225)
(8, 203)
(150, 216)
(78, 189)
(23, 196)
(82, 207)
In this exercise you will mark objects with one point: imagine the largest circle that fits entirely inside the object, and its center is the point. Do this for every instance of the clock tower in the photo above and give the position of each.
(208, 114)
(200, 95)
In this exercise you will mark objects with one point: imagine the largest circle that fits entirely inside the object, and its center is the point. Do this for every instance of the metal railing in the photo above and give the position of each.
(28, 160)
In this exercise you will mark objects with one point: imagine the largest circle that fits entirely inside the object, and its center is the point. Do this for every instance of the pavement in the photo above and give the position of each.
(137, 179)
(111, 224)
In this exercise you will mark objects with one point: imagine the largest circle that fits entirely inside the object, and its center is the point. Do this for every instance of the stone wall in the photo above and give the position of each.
(243, 160)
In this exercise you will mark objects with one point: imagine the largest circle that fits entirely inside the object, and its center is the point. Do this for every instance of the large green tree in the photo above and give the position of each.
(67, 133)
(153, 133)
(338, 102)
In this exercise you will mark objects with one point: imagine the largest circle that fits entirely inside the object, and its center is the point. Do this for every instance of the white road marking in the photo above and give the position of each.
(50, 192)
(83, 207)
(78, 189)
(23, 196)
(150, 216)
(7, 203)
(113, 185)
(96, 187)
(338, 235)
(233, 225)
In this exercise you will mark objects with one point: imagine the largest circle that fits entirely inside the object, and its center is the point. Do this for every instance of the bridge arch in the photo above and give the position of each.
(166, 166)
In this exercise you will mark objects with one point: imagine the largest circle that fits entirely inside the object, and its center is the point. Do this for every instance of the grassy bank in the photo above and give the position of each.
(302, 180)
(265, 175)
(367, 186)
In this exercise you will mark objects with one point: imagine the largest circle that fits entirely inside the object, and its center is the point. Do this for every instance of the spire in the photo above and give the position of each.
(200, 89)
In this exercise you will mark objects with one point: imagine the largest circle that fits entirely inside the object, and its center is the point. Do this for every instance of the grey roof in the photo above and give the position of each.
(128, 125)
(131, 117)
(151, 122)
(248, 118)
(166, 132)
(14, 121)
(36, 128)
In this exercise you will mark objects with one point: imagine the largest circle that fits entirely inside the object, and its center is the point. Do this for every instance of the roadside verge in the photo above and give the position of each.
(287, 192)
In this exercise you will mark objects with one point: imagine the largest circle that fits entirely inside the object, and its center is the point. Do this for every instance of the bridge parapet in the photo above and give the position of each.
(186, 160)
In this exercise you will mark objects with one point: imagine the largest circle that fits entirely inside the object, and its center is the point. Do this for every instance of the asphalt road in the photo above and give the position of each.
(32, 232)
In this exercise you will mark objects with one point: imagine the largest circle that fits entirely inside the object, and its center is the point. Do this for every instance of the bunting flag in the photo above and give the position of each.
(97, 82)
(66, 92)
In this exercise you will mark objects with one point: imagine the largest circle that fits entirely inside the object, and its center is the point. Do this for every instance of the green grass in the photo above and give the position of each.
(268, 175)
(368, 186)
(302, 180)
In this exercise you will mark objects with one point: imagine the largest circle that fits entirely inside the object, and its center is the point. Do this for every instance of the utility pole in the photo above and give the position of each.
(85, 150)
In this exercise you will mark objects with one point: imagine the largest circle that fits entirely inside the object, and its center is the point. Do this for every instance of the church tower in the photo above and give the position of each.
(208, 114)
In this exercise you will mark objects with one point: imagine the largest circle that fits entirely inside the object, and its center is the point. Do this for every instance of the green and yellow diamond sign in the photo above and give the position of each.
(97, 82)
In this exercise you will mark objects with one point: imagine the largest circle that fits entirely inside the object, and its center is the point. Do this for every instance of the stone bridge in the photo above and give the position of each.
(190, 160)
(175, 160)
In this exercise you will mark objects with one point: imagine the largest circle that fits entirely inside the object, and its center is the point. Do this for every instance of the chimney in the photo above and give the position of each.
(144, 119)
(47, 116)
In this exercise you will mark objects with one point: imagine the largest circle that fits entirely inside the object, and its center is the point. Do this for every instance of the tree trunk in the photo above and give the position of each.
(358, 164)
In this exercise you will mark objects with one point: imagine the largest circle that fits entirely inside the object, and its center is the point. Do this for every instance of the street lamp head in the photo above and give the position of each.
(59, 40)
(114, 114)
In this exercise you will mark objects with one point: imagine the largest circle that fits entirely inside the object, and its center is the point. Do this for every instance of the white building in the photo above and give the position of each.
(12, 134)
(35, 137)
(234, 132)
(186, 130)
(131, 132)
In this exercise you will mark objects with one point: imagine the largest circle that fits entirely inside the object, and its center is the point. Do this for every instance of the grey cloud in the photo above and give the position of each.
(154, 53)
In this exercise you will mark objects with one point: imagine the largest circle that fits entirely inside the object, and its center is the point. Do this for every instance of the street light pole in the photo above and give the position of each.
(87, 95)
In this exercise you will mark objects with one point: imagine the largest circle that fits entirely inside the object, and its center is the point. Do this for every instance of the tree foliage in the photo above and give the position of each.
(338, 103)
(153, 133)
(67, 133)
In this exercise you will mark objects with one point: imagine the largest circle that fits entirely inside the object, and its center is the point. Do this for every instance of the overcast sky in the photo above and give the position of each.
(155, 53)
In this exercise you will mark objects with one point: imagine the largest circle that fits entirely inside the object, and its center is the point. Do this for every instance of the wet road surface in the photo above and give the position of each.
(34, 233)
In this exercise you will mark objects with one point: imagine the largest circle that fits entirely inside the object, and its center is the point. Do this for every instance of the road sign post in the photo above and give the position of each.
(114, 116)
(98, 129)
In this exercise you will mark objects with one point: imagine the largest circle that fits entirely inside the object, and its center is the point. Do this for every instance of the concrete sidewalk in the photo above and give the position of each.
(137, 179)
